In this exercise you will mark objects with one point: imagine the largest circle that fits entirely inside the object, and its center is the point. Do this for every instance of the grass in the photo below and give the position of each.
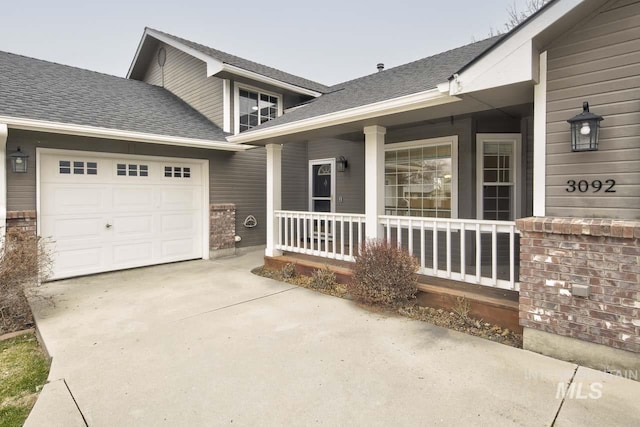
(23, 372)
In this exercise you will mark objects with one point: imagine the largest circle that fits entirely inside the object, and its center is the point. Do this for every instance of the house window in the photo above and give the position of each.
(497, 176)
(421, 178)
(254, 107)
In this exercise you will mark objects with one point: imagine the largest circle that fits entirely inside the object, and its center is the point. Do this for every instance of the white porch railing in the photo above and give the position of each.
(329, 235)
(475, 251)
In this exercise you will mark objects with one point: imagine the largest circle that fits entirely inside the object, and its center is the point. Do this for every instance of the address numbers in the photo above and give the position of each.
(595, 186)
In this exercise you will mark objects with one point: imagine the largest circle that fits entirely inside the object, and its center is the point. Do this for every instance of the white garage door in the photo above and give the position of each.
(110, 213)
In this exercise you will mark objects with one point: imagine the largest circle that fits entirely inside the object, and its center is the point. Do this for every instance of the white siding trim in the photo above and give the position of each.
(332, 162)
(451, 140)
(4, 133)
(401, 104)
(516, 140)
(236, 102)
(540, 140)
(274, 197)
(226, 105)
(374, 137)
(97, 132)
(512, 59)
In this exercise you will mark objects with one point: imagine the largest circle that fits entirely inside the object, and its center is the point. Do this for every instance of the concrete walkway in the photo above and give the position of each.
(207, 343)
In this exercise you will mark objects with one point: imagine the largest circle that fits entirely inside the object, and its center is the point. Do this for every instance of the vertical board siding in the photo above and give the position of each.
(600, 63)
(186, 77)
(237, 178)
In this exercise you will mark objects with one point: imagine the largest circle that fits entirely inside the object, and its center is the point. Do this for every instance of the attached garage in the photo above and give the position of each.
(105, 212)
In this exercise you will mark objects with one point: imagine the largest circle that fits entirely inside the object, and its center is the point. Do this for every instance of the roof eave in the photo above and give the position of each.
(215, 66)
(401, 104)
(117, 134)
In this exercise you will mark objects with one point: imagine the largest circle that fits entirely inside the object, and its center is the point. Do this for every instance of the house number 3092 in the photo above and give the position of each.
(595, 186)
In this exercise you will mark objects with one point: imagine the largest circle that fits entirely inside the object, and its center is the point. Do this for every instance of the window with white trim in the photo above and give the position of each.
(421, 178)
(254, 107)
(498, 158)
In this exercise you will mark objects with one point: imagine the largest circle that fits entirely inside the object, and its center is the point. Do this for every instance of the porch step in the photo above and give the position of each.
(497, 306)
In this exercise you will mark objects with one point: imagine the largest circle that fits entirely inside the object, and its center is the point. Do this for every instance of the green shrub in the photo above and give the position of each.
(384, 274)
(288, 271)
(323, 278)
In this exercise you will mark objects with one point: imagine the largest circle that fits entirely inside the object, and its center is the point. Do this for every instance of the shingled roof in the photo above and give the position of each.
(418, 76)
(41, 90)
(245, 64)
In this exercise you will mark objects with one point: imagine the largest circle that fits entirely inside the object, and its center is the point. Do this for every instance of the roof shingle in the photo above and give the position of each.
(41, 90)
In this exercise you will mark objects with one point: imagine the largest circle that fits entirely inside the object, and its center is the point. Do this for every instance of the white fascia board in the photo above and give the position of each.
(402, 104)
(97, 132)
(508, 63)
(215, 66)
(268, 80)
(4, 132)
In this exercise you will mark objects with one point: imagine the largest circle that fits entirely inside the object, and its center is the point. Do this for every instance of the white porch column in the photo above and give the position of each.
(374, 180)
(274, 196)
(3, 178)
(540, 140)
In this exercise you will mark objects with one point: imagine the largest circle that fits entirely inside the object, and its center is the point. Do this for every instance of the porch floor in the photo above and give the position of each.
(492, 305)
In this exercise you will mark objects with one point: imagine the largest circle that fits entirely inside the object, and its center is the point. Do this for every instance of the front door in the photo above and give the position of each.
(322, 185)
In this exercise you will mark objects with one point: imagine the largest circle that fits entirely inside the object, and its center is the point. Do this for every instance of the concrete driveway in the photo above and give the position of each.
(206, 343)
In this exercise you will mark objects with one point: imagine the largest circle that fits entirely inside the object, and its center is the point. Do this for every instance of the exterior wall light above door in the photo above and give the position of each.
(341, 164)
(585, 129)
(19, 161)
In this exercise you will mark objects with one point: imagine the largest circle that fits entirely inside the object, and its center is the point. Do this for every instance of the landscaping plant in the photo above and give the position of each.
(384, 274)
(323, 278)
(24, 262)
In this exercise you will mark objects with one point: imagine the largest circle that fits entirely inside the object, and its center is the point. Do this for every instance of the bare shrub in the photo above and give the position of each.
(384, 274)
(323, 278)
(24, 263)
(288, 271)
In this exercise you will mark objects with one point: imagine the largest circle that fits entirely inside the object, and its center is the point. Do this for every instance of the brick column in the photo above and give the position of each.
(222, 229)
(580, 278)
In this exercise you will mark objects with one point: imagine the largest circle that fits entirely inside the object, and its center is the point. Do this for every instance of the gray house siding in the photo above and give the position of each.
(600, 63)
(186, 77)
(233, 177)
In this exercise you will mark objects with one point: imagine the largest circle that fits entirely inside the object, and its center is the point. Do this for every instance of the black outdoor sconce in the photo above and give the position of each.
(19, 161)
(584, 130)
(341, 164)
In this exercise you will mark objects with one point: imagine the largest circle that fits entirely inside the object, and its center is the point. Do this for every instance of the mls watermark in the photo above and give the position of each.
(579, 391)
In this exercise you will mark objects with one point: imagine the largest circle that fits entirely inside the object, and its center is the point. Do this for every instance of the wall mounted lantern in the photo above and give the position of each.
(585, 128)
(341, 164)
(19, 161)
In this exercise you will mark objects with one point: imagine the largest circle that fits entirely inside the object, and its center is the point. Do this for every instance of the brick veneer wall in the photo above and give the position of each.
(222, 226)
(556, 253)
(25, 220)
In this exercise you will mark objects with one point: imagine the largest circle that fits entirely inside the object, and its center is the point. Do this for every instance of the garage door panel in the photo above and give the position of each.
(120, 212)
(79, 261)
(182, 223)
(177, 198)
(178, 248)
(73, 199)
(132, 226)
(73, 228)
(130, 254)
(129, 199)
